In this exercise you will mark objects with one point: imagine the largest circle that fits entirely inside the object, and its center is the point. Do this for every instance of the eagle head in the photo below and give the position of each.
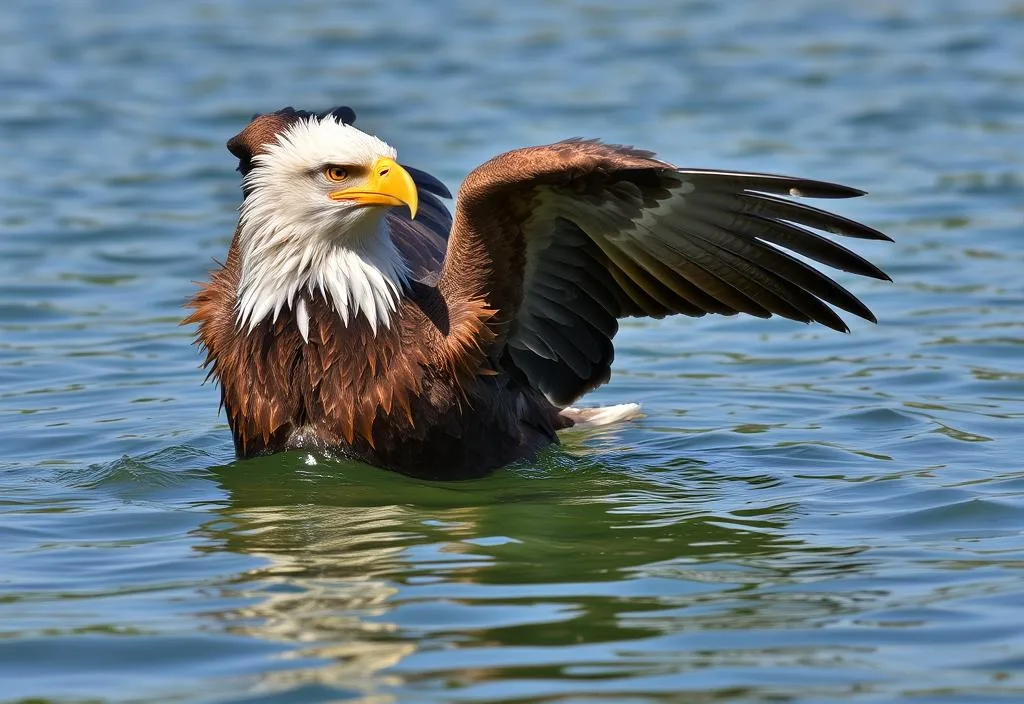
(318, 171)
(316, 192)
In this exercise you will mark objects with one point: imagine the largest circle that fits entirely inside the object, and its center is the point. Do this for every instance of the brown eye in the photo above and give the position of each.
(335, 173)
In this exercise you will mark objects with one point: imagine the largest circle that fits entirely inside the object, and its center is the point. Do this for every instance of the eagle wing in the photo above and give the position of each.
(561, 241)
(422, 241)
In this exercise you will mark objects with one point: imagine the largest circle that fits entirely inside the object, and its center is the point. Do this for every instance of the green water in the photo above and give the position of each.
(800, 516)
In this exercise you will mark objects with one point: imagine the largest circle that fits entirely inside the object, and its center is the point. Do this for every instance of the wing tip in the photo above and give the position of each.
(864, 313)
(806, 188)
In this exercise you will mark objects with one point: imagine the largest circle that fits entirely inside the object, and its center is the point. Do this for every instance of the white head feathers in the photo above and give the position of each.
(296, 242)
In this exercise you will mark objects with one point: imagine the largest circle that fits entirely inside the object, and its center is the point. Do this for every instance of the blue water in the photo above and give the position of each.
(801, 516)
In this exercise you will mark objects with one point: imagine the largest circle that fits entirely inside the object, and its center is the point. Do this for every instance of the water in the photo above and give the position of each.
(801, 516)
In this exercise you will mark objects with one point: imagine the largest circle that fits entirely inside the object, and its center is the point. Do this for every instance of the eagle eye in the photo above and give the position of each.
(335, 173)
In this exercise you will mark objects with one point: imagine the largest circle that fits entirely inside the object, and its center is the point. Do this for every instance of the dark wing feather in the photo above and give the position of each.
(427, 182)
(422, 241)
(563, 240)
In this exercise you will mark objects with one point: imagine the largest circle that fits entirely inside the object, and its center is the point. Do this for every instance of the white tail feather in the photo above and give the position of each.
(602, 415)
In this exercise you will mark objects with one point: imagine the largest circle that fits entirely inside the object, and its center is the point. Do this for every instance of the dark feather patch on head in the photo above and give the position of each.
(342, 113)
(263, 129)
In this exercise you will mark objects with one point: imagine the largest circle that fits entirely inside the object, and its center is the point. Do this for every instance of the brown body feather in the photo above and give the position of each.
(418, 397)
(512, 316)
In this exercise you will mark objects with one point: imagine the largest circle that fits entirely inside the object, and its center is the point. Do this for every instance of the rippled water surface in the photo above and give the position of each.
(801, 515)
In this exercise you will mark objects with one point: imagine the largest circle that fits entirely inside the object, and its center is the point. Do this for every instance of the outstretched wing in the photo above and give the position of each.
(563, 240)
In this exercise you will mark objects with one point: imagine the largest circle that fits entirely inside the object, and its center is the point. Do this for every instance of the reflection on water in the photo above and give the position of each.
(323, 590)
(364, 569)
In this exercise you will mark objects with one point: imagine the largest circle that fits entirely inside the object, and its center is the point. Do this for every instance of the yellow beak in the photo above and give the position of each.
(388, 184)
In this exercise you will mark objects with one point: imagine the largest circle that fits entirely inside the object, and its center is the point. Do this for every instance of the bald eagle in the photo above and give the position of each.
(354, 314)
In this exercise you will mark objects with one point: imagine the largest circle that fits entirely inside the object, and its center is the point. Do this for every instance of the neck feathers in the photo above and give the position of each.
(358, 271)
